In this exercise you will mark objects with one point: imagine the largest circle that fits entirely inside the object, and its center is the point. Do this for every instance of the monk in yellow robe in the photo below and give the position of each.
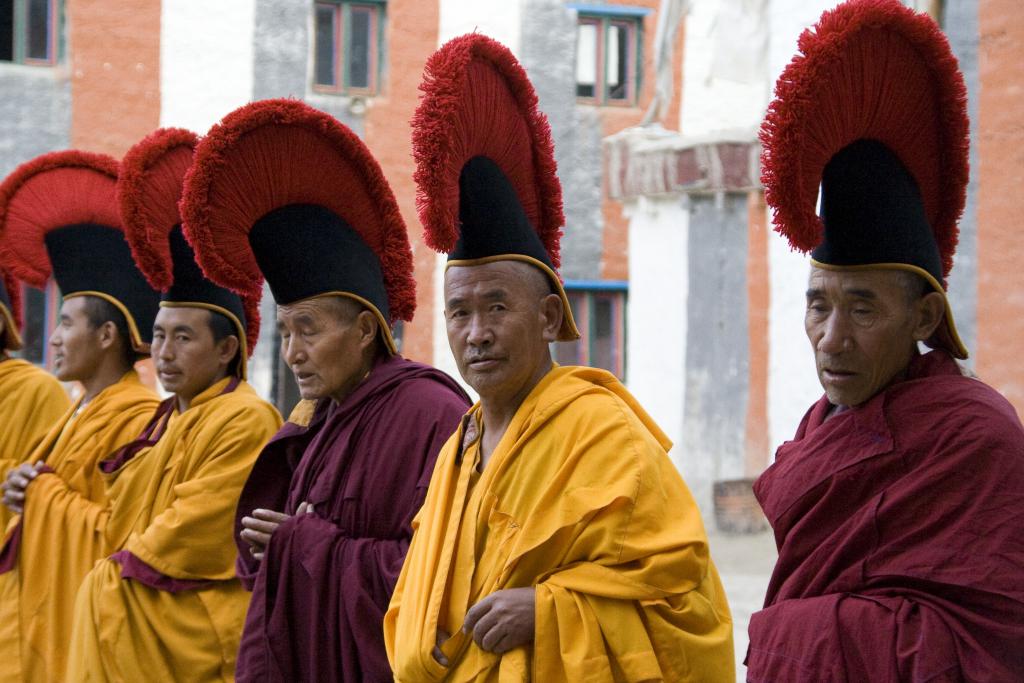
(167, 604)
(557, 542)
(60, 495)
(31, 399)
(59, 221)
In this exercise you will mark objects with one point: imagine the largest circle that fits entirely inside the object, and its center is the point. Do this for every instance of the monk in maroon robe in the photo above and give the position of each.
(320, 593)
(898, 508)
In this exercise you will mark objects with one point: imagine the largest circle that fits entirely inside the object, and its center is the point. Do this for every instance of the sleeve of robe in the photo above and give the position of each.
(955, 522)
(186, 540)
(647, 579)
(310, 549)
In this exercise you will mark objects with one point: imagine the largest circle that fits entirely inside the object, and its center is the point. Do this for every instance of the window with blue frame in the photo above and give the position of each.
(599, 309)
(347, 46)
(609, 55)
(29, 31)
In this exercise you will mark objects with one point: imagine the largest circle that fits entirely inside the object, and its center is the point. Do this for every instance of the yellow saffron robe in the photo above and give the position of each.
(580, 501)
(61, 529)
(174, 507)
(31, 402)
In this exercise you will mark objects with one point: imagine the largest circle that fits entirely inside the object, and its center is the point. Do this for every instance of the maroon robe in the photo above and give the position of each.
(320, 593)
(900, 528)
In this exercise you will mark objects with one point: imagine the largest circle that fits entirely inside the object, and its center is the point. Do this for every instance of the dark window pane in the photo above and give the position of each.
(7, 30)
(586, 59)
(325, 48)
(602, 343)
(360, 43)
(34, 334)
(38, 29)
(571, 353)
(617, 62)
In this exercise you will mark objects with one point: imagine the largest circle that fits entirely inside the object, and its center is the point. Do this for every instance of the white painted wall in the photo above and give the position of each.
(206, 60)
(724, 81)
(499, 19)
(656, 320)
(792, 382)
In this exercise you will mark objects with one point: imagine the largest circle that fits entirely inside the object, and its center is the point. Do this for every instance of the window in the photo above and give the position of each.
(347, 40)
(28, 31)
(41, 308)
(600, 312)
(608, 58)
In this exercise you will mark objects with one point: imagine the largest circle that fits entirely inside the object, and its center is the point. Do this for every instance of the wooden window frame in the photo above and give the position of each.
(586, 321)
(20, 27)
(342, 23)
(634, 27)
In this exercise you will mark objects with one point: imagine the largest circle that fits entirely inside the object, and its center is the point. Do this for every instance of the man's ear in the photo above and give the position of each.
(227, 348)
(107, 335)
(552, 314)
(930, 310)
(367, 325)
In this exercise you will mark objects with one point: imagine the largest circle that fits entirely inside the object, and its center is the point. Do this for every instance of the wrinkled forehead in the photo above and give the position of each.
(514, 278)
(879, 282)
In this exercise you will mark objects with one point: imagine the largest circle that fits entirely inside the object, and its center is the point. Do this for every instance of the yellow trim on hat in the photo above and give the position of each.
(242, 370)
(568, 331)
(11, 339)
(946, 336)
(385, 329)
(138, 346)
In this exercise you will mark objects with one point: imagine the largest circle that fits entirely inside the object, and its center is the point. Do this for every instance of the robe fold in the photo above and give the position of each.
(900, 536)
(167, 605)
(31, 402)
(320, 593)
(580, 501)
(51, 547)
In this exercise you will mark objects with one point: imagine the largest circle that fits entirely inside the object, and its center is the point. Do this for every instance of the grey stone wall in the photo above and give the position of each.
(35, 113)
(961, 25)
(548, 53)
(281, 59)
(717, 354)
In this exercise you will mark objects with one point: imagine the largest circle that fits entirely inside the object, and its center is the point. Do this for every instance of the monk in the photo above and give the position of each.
(897, 505)
(59, 488)
(31, 399)
(167, 601)
(557, 541)
(324, 520)
(59, 220)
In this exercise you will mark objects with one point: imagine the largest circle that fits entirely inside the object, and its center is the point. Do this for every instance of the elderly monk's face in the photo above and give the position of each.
(188, 359)
(864, 327)
(77, 346)
(325, 342)
(500, 318)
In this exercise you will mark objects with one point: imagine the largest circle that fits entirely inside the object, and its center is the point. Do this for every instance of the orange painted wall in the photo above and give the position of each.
(758, 301)
(114, 54)
(411, 38)
(615, 245)
(1000, 207)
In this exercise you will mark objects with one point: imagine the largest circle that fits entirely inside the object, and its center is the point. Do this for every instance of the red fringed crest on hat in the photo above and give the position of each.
(13, 288)
(148, 190)
(273, 153)
(869, 69)
(478, 101)
(52, 191)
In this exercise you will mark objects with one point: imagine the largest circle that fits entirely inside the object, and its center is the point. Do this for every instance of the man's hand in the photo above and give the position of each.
(18, 480)
(437, 654)
(258, 529)
(503, 620)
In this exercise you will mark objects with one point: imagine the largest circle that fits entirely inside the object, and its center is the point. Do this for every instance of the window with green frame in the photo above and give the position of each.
(29, 31)
(347, 46)
(599, 309)
(608, 55)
